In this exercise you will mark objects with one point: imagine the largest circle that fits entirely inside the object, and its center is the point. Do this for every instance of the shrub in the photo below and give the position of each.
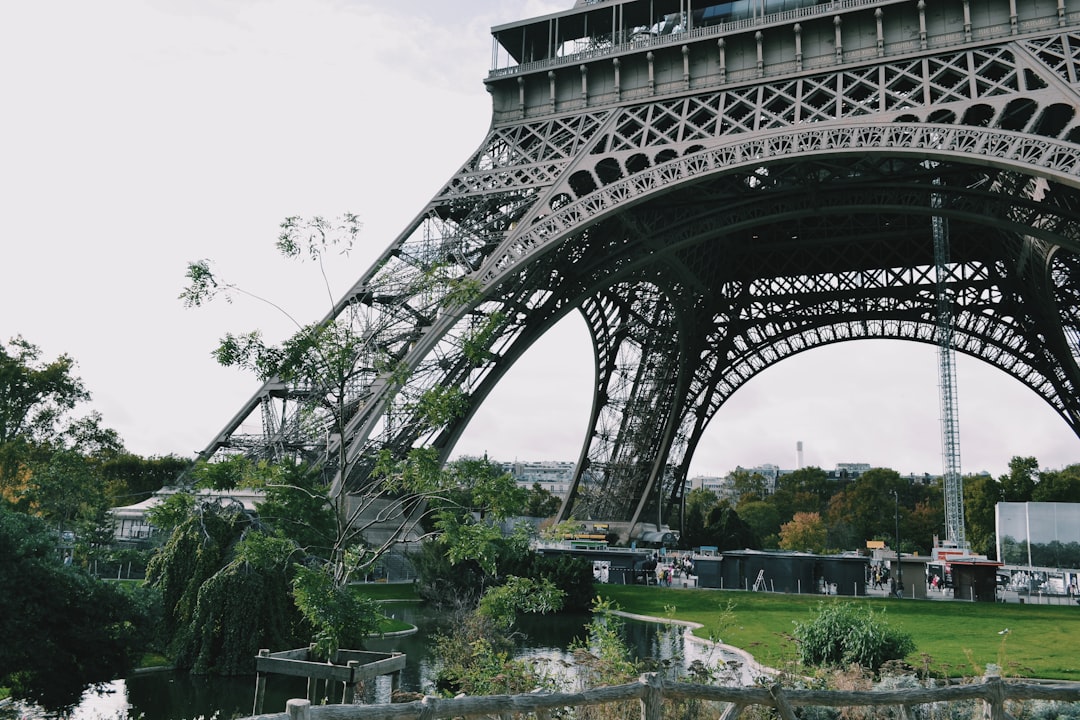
(845, 634)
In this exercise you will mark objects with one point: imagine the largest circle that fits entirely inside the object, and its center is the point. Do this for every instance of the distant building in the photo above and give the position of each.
(130, 522)
(554, 476)
(850, 471)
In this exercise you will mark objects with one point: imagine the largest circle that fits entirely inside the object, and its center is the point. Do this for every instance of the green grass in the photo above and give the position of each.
(952, 639)
(387, 591)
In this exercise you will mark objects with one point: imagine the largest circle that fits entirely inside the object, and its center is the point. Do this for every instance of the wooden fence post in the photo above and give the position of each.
(782, 704)
(995, 697)
(260, 687)
(348, 695)
(298, 709)
(427, 708)
(652, 705)
(731, 711)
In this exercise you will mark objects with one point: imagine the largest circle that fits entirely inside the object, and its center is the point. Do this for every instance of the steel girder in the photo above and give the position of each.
(706, 235)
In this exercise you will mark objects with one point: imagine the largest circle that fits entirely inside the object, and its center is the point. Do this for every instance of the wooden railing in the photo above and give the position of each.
(653, 692)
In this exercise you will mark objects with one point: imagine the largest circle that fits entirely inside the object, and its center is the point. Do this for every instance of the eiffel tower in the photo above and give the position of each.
(715, 187)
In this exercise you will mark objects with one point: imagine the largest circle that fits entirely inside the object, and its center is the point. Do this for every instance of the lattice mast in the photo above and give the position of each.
(950, 432)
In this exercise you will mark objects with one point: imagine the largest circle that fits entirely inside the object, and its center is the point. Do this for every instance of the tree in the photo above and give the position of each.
(748, 485)
(727, 531)
(65, 631)
(35, 397)
(1058, 486)
(981, 494)
(763, 518)
(130, 478)
(1019, 483)
(699, 502)
(867, 505)
(329, 361)
(806, 489)
(805, 532)
(922, 523)
(541, 503)
(224, 582)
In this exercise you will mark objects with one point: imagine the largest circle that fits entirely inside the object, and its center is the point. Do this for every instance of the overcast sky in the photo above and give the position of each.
(138, 135)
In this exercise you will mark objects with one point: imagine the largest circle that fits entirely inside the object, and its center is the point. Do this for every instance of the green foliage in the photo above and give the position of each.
(63, 630)
(439, 405)
(197, 548)
(479, 485)
(239, 609)
(295, 505)
(541, 503)
(520, 595)
(572, 575)
(476, 347)
(843, 634)
(476, 659)
(465, 539)
(699, 502)
(461, 292)
(762, 517)
(603, 657)
(806, 532)
(131, 478)
(36, 395)
(418, 473)
(725, 529)
(340, 617)
(173, 510)
(1019, 484)
(228, 474)
(316, 236)
(444, 584)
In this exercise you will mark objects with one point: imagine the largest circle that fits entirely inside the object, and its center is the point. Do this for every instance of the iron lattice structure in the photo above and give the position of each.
(714, 196)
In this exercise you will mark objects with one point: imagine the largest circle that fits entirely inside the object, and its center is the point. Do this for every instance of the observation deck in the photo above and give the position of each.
(607, 52)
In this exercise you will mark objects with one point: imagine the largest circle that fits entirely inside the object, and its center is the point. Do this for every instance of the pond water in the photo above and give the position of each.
(180, 696)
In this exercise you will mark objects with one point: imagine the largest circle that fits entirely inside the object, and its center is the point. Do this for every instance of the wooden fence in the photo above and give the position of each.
(653, 691)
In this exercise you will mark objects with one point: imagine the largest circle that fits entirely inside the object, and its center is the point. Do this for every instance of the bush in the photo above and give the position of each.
(845, 634)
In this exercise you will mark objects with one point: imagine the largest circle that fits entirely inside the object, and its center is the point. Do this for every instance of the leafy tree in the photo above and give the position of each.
(920, 526)
(868, 505)
(763, 518)
(727, 531)
(746, 484)
(981, 494)
(64, 630)
(35, 396)
(699, 502)
(805, 532)
(520, 595)
(131, 478)
(807, 489)
(1019, 484)
(1058, 486)
(227, 583)
(541, 503)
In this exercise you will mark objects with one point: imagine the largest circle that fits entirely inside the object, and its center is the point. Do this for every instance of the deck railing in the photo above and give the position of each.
(653, 692)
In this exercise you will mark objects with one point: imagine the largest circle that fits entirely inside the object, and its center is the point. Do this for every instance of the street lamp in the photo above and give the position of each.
(899, 569)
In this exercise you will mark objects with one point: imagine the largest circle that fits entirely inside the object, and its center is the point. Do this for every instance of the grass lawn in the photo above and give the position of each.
(952, 638)
(387, 591)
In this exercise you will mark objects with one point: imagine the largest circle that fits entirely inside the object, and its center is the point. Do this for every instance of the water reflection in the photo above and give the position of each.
(179, 696)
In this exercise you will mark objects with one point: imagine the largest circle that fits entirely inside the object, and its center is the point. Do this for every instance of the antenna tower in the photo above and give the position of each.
(950, 433)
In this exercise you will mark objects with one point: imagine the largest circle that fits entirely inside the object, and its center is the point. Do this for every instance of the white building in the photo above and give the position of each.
(130, 521)
(554, 476)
